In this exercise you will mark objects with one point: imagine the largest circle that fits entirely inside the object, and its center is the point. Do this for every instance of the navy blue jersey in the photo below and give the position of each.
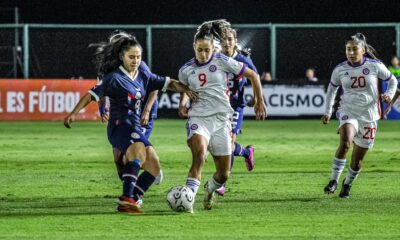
(127, 94)
(237, 83)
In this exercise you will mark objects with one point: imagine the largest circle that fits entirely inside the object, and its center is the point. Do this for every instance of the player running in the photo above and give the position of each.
(359, 108)
(209, 125)
(237, 101)
(126, 86)
(149, 108)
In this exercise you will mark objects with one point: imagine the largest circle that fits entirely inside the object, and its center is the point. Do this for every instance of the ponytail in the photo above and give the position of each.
(214, 30)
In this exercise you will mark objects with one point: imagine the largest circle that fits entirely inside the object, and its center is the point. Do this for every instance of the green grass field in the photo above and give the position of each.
(58, 183)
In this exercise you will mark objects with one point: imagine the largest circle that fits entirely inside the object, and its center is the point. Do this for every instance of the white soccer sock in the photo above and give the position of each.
(193, 184)
(337, 168)
(213, 185)
(351, 176)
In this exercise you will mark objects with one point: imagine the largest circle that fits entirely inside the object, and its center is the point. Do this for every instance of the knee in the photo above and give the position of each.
(199, 155)
(345, 145)
(132, 156)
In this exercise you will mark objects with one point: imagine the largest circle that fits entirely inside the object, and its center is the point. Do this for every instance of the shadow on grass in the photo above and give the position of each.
(41, 207)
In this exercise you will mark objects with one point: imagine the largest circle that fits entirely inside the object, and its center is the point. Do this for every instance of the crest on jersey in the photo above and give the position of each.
(194, 126)
(365, 71)
(137, 95)
(130, 96)
(345, 117)
(212, 68)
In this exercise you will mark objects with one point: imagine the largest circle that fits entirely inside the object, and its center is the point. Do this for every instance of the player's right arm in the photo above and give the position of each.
(83, 102)
(183, 100)
(330, 96)
(183, 110)
(94, 94)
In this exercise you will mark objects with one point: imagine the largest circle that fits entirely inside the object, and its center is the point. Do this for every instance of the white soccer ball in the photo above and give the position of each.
(180, 198)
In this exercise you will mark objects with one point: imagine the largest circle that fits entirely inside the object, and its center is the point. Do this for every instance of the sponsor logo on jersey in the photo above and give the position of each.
(212, 68)
(346, 74)
(138, 95)
(194, 126)
(193, 72)
(365, 71)
(135, 135)
(345, 117)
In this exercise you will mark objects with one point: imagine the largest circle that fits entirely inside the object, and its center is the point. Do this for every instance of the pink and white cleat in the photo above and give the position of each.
(250, 160)
(221, 191)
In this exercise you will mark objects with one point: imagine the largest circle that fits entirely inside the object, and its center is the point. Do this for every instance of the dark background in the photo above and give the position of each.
(195, 12)
(63, 53)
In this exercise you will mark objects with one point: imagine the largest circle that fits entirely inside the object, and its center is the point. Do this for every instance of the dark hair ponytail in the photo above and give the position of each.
(361, 39)
(212, 30)
(107, 57)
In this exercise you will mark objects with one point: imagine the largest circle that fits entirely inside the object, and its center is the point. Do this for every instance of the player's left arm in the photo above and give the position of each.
(386, 75)
(145, 118)
(241, 69)
(389, 107)
(260, 108)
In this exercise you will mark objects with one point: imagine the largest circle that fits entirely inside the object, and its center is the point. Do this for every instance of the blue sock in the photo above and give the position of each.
(232, 160)
(238, 149)
(129, 177)
(142, 185)
(241, 151)
(193, 184)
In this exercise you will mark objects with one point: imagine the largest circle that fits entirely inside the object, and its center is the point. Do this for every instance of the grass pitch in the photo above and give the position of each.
(58, 183)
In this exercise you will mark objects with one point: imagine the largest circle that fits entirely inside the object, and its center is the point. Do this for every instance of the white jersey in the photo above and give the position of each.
(210, 80)
(360, 98)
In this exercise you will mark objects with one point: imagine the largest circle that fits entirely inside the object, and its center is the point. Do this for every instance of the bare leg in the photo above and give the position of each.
(347, 133)
(198, 145)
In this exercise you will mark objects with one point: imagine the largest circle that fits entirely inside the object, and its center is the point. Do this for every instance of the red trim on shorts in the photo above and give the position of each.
(227, 85)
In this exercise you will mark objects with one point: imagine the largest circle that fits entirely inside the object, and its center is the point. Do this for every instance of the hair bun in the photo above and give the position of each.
(361, 36)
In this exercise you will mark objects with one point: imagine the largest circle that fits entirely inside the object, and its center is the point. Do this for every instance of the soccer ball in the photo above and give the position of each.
(180, 198)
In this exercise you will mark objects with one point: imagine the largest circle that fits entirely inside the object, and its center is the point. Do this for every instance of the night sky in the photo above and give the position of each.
(194, 12)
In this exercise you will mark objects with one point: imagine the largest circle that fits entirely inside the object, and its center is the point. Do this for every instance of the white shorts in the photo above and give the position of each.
(366, 131)
(216, 129)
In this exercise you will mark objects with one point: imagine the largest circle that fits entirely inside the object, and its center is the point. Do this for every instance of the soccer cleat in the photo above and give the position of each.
(345, 192)
(208, 198)
(331, 187)
(250, 160)
(190, 210)
(221, 191)
(128, 202)
(159, 178)
(125, 209)
(140, 202)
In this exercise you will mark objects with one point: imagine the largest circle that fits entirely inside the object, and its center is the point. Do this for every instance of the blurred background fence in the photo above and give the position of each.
(285, 50)
(61, 51)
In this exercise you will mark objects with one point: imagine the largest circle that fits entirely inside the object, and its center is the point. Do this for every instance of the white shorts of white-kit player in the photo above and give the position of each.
(216, 129)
